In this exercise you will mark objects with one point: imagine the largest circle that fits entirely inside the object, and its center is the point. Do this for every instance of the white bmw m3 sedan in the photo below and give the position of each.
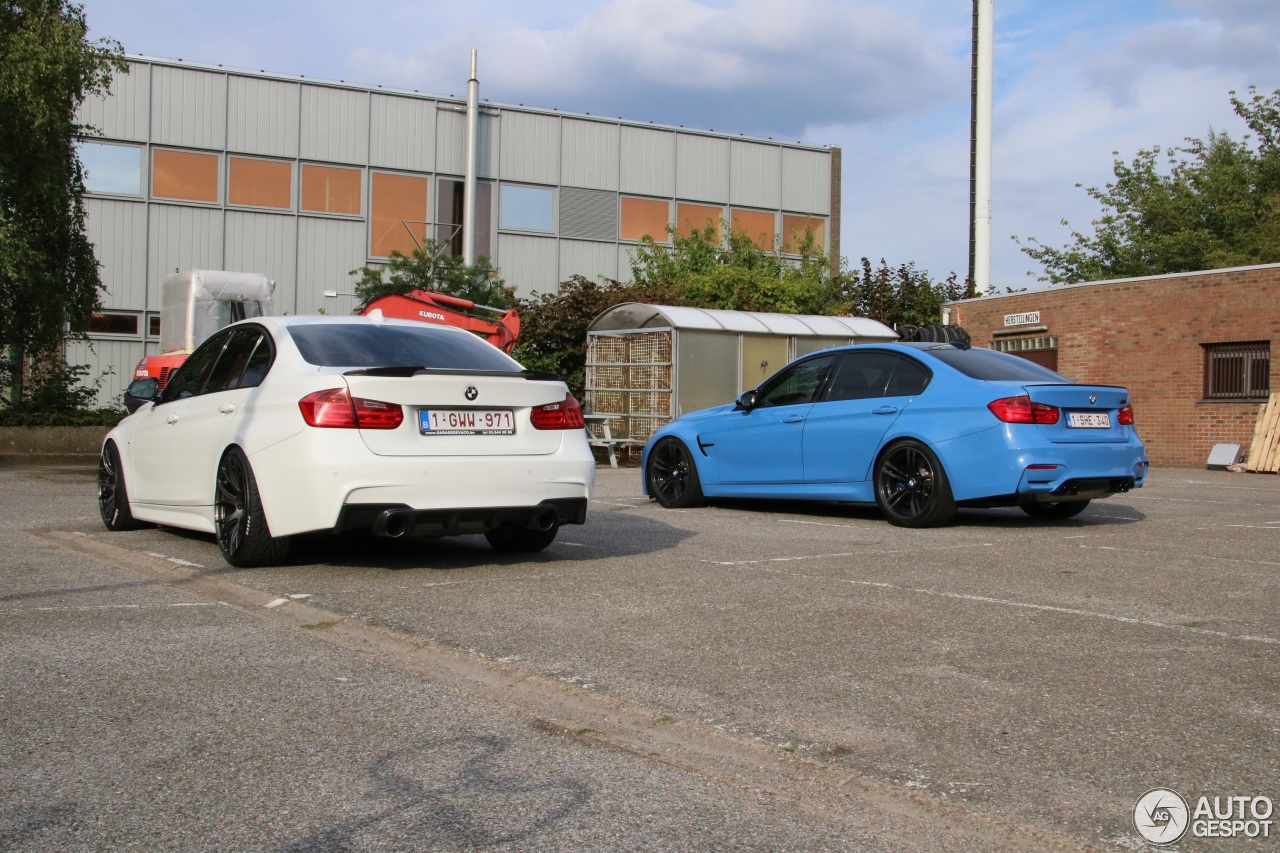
(279, 426)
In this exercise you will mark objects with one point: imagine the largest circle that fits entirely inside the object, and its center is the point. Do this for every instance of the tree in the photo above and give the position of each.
(738, 276)
(49, 278)
(428, 268)
(1217, 205)
(898, 296)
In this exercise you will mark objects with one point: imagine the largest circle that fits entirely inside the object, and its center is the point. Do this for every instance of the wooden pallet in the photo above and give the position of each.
(1264, 452)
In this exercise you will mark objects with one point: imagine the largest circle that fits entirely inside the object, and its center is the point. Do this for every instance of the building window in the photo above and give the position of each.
(523, 208)
(113, 324)
(153, 325)
(795, 229)
(398, 221)
(330, 189)
(1238, 371)
(759, 225)
(449, 216)
(259, 183)
(184, 175)
(113, 169)
(696, 217)
(644, 217)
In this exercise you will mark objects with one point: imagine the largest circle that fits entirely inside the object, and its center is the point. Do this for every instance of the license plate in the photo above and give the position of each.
(466, 422)
(1089, 420)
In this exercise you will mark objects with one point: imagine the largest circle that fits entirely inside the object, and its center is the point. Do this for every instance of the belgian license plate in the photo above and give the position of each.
(1089, 420)
(466, 422)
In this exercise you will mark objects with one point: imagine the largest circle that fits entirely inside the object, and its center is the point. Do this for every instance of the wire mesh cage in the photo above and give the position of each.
(629, 378)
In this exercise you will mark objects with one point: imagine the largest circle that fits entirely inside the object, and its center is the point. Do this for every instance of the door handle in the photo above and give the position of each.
(172, 419)
(884, 410)
(226, 408)
(793, 419)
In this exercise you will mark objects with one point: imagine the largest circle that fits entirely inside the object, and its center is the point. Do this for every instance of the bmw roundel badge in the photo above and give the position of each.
(471, 393)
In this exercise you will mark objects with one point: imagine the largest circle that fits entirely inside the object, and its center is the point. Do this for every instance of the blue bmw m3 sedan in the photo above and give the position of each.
(917, 428)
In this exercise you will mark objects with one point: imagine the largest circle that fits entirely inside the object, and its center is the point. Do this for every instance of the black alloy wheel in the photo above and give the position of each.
(911, 488)
(113, 497)
(241, 525)
(672, 475)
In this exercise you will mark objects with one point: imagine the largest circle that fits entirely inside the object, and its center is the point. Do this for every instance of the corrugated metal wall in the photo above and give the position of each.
(402, 133)
(587, 161)
(262, 116)
(118, 232)
(528, 148)
(589, 154)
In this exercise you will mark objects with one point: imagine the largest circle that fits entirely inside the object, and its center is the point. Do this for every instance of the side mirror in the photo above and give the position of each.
(140, 391)
(747, 400)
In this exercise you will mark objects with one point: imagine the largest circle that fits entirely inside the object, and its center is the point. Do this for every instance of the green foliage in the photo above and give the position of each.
(1216, 204)
(738, 276)
(897, 296)
(48, 274)
(553, 326)
(58, 394)
(428, 268)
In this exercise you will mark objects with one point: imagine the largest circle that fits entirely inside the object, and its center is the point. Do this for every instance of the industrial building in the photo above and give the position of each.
(200, 166)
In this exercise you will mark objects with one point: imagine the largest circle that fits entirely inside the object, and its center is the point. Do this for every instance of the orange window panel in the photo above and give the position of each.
(399, 214)
(794, 229)
(644, 217)
(696, 217)
(329, 189)
(259, 183)
(185, 175)
(759, 225)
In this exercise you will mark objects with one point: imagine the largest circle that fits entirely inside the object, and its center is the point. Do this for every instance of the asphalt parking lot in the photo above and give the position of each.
(741, 676)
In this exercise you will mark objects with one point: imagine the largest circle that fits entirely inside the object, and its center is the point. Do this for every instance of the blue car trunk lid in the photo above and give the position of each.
(1089, 413)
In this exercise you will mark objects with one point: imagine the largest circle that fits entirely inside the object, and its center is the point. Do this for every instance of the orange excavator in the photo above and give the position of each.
(196, 303)
(499, 326)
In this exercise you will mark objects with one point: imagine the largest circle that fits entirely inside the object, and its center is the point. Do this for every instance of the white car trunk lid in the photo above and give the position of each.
(460, 414)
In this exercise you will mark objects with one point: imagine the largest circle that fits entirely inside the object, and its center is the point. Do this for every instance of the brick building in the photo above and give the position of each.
(1194, 349)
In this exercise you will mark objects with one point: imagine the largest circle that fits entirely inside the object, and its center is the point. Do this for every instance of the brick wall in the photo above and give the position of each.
(1146, 334)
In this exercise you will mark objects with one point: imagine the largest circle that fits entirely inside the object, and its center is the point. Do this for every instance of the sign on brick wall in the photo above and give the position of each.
(1022, 319)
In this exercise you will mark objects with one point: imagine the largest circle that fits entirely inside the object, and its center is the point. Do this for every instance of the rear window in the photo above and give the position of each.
(991, 366)
(365, 345)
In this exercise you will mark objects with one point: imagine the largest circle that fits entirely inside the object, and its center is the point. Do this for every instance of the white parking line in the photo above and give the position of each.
(88, 607)
(1069, 611)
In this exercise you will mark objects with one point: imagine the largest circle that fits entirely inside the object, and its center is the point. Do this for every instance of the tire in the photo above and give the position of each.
(1057, 511)
(113, 497)
(672, 475)
(244, 537)
(521, 540)
(912, 489)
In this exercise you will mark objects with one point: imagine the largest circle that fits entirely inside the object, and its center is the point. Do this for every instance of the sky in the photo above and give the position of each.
(1077, 85)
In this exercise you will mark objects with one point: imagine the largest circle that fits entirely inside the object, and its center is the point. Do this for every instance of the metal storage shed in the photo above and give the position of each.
(647, 364)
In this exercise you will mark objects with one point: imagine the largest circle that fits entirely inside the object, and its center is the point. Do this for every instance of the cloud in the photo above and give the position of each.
(752, 66)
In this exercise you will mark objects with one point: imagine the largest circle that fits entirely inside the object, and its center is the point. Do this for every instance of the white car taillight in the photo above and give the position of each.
(563, 415)
(335, 409)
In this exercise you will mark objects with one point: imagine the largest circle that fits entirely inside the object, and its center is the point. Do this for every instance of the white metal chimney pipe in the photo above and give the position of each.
(469, 177)
(985, 10)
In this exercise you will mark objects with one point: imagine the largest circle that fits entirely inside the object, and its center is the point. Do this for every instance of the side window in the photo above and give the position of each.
(259, 363)
(909, 378)
(191, 376)
(863, 375)
(798, 383)
(231, 365)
